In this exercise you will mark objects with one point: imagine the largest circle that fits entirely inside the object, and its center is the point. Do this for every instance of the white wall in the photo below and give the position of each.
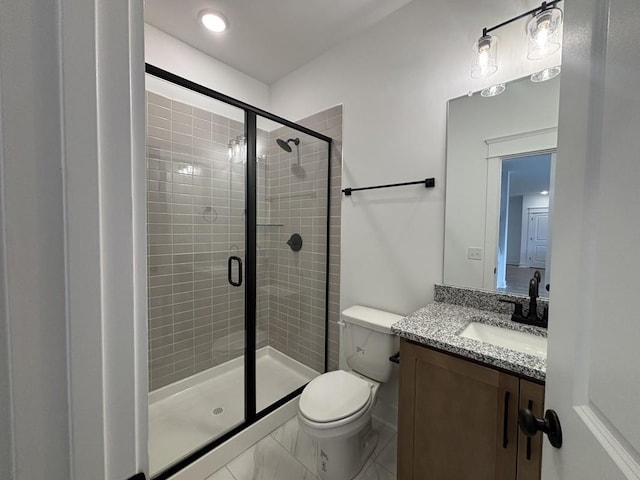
(515, 230)
(168, 53)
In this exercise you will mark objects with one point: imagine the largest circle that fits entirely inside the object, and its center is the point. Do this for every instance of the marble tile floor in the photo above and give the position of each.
(288, 453)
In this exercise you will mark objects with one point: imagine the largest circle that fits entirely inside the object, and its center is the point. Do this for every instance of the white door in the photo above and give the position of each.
(593, 379)
(538, 238)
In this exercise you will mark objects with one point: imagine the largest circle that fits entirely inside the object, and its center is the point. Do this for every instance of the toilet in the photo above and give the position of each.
(336, 408)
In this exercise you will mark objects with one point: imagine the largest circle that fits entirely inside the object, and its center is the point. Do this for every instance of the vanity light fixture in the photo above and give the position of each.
(213, 21)
(237, 148)
(484, 62)
(493, 90)
(543, 33)
(546, 74)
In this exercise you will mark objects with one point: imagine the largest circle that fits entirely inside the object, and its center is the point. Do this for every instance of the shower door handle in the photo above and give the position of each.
(229, 270)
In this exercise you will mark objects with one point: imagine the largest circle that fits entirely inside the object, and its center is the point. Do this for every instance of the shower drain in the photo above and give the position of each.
(218, 411)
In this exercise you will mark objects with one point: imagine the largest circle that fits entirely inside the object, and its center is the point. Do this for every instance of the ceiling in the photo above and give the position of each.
(267, 39)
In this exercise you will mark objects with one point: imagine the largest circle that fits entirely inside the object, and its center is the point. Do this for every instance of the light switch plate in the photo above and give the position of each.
(474, 253)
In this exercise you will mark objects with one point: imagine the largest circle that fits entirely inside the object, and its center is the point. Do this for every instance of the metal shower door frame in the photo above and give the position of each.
(250, 122)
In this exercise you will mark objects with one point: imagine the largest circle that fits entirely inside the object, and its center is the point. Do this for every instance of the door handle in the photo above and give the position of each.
(230, 270)
(530, 425)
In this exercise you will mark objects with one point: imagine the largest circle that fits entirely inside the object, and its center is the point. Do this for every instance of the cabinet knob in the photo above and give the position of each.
(530, 425)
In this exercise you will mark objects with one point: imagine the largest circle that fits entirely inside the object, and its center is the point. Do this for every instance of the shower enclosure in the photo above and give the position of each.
(238, 241)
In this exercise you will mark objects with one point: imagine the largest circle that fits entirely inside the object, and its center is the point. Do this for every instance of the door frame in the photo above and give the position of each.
(535, 142)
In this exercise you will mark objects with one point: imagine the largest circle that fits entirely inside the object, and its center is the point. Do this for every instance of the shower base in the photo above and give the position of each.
(190, 413)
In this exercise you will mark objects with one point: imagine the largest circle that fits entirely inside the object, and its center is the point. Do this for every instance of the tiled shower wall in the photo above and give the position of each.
(298, 202)
(195, 206)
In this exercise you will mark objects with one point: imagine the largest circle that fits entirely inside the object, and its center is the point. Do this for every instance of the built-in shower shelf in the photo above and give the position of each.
(269, 224)
(278, 291)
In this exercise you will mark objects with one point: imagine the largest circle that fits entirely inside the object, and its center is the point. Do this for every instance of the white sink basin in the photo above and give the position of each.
(503, 337)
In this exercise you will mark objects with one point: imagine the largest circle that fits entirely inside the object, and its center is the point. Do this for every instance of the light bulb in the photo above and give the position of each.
(213, 21)
(544, 33)
(542, 39)
(484, 60)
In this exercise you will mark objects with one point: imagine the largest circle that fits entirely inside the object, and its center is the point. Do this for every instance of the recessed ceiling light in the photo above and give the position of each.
(544, 192)
(213, 21)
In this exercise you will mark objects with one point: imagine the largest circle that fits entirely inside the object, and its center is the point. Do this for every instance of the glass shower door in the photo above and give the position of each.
(196, 159)
(291, 270)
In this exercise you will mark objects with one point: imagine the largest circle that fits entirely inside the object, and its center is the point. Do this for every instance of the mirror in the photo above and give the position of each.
(499, 193)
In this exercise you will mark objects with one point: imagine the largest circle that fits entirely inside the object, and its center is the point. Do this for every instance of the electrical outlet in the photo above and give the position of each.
(474, 253)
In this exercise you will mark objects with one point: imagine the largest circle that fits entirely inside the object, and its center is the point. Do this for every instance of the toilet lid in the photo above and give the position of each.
(333, 396)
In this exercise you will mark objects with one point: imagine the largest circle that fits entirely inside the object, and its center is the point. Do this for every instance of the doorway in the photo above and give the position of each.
(524, 222)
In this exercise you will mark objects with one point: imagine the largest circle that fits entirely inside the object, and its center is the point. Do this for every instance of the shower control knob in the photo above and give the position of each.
(295, 242)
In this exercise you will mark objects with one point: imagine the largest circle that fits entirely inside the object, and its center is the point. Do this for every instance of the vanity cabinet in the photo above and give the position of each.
(458, 420)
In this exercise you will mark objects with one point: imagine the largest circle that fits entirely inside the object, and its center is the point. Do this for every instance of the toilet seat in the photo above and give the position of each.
(335, 396)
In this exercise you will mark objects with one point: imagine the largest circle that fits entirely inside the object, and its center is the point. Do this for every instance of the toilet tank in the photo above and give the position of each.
(368, 342)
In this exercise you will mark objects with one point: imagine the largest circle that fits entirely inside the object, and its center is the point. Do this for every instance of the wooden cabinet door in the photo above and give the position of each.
(457, 420)
(530, 449)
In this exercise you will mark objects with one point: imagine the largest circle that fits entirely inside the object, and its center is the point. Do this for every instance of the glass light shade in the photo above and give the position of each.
(493, 90)
(485, 55)
(238, 149)
(546, 74)
(544, 33)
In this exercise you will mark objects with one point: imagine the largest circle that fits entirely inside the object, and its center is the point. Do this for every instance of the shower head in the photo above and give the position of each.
(285, 145)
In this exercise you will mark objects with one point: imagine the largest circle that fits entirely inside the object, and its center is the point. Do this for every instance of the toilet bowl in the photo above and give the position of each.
(336, 408)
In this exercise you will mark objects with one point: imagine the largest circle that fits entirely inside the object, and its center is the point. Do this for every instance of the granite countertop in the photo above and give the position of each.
(438, 325)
